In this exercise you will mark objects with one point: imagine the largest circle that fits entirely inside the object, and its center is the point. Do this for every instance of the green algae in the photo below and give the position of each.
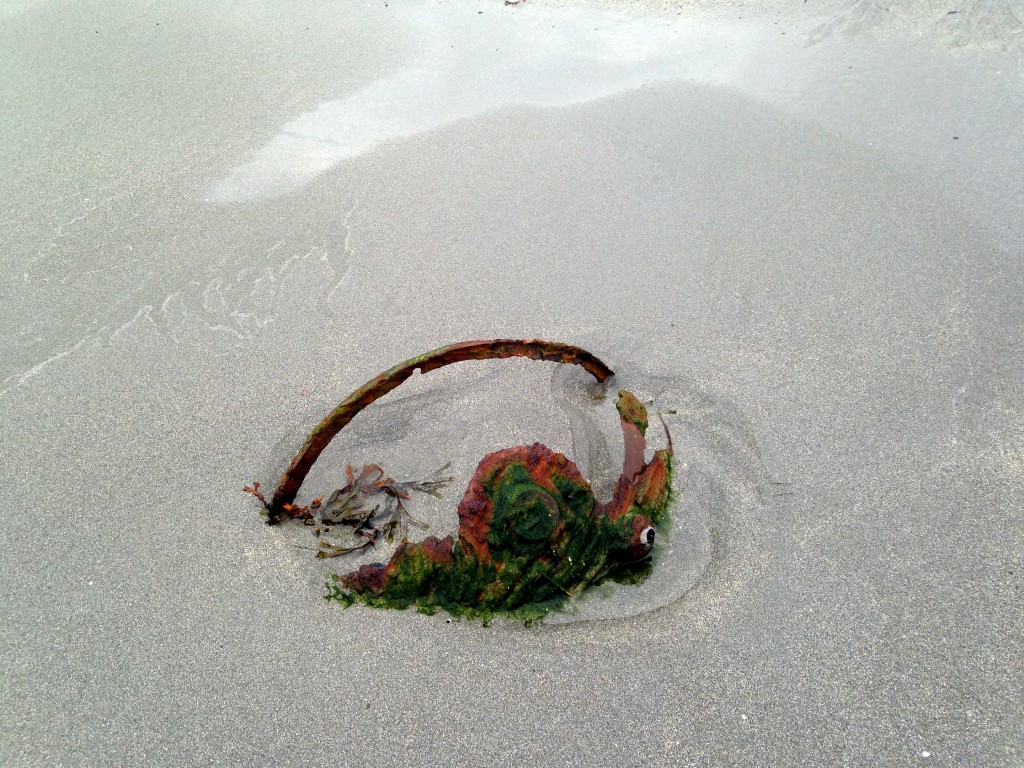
(631, 410)
(531, 536)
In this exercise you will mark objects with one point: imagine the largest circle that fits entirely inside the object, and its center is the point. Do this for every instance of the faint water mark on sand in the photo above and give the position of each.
(472, 63)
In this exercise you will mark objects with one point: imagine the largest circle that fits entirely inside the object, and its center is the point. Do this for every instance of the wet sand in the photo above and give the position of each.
(783, 243)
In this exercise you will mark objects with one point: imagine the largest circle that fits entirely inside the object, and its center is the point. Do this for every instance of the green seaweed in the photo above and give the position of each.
(531, 536)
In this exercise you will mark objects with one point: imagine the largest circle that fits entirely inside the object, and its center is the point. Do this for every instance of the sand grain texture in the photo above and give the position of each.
(783, 243)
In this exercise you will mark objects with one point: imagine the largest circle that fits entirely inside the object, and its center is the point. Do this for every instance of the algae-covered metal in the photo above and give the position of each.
(531, 533)
(380, 385)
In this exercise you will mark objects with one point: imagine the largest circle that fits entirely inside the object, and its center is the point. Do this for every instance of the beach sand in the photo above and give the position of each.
(221, 221)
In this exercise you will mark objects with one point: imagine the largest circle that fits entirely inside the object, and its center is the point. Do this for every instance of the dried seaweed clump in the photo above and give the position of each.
(369, 506)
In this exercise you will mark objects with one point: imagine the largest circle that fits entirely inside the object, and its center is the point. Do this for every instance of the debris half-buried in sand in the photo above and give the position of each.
(531, 534)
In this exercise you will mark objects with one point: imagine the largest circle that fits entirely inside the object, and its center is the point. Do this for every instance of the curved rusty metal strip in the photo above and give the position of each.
(324, 432)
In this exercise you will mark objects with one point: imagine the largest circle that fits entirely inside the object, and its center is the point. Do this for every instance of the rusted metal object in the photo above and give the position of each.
(531, 535)
(379, 386)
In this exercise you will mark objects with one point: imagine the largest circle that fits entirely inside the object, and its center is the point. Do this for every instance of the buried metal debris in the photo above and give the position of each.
(531, 533)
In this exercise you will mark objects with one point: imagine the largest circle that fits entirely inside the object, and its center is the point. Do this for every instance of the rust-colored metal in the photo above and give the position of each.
(530, 534)
(476, 511)
(493, 349)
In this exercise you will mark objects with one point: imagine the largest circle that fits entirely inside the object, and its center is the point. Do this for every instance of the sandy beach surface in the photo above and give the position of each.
(797, 228)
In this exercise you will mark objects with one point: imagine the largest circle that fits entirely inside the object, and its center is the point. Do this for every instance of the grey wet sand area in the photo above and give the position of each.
(836, 327)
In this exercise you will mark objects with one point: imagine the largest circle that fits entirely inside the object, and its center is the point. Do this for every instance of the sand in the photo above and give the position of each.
(801, 234)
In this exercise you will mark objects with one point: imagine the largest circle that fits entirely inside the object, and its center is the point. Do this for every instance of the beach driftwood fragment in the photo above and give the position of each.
(531, 533)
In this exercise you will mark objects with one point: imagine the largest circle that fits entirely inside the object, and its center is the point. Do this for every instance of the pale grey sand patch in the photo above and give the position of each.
(469, 63)
(837, 294)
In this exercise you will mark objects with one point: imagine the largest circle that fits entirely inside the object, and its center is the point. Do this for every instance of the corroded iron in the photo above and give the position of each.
(531, 534)
(379, 386)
